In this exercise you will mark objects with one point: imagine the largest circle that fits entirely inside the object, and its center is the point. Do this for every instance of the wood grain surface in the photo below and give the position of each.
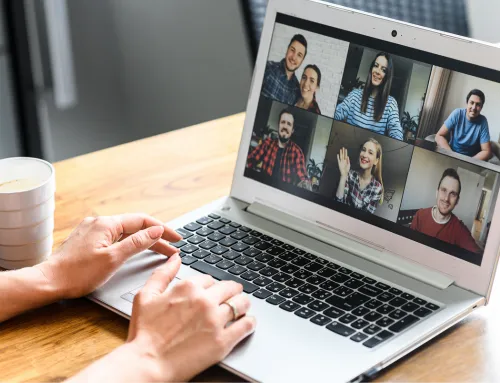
(166, 176)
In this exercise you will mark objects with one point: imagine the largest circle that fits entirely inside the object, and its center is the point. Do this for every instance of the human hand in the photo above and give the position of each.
(99, 246)
(184, 329)
(344, 162)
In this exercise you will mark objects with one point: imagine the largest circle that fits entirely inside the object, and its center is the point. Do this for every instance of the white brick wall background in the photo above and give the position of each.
(327, 53)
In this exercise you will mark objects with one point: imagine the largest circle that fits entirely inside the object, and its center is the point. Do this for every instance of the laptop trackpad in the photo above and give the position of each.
(129, 296)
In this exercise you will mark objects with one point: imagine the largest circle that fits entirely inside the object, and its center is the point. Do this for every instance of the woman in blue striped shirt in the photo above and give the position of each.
(372, 107)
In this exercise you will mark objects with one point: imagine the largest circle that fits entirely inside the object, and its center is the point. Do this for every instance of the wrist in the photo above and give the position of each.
(149, 366)
(50, 284)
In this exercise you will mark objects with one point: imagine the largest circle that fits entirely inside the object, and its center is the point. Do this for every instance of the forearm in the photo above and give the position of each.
(340, 188)
(24, 289)
(442, 142)
(483, 155)
(124, 364)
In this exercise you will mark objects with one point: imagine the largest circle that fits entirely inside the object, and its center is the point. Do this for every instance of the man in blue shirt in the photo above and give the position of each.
(469, 130)
(280, 82)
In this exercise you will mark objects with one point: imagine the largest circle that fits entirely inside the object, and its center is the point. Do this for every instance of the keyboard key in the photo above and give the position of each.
(222, 275)
(266, 238)
(300, 261)
(326, 272)
(255, 233)
(289, 269)
(262, 294)
(332, 266)
(196, 239)
(398, 301)
(347, 318)
(310, 256)
(368, 280)
(377, 339)
(288, 257)
(289, 306)
(372, 316)
(404, 323)
(329, 285)
(340, 329)
(193, 226)
(353, 283)
(385, 296)
(227, 230)
(275, 300)
(216, 236)
(343, 291)
(256, 266)
(204, 231)
(275, 287)
(264, 257)
(360, 311)
(313, 266)
(249, 275)
(243, 260)
(237, 270)
(231, 255)
(407, 296)
(422, 312)
(240, 246)
(216, 225)
(263, 245)
(214, 216)
(188, 260)
(302, 274)
(385, 309)
(288, 293)
(276, 263)
(225, 220)
(305, 313)
(340, 278)
(268, 271)
(321, 294)
(307, 288)
(281, 277)
(359, 337)
(320, 320)
(277, 242)
(225, 264)
(373, 304)
(219, 250)
(409, 307)
(212, 259)
(228, 242)
(384, 322)
(185, 234)
(345, 270)
(315, 279)
(239, 235)
(252, 252)
(382, 286)
(294, 283)
(235, 225)
(245, 229)
(302, 299)
(261, 281)
(360, 324)
(357, 275)
(299, 251)
(419, 301)
(178, 244)
(397, 314)
(318, 305)
(429, 305)
(351, 302)
(372, 329)
(189, 249)
(395, 291)
(370, 290)
(333, 312)
(251, 240)
(200, 253)
(207, 245)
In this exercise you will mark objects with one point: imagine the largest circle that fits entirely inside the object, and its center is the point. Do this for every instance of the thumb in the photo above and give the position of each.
(137, 242)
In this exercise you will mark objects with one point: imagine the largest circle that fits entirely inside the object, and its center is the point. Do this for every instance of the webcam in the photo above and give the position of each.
(394, 33)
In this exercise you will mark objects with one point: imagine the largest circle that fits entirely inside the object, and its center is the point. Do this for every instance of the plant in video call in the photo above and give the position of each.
(314, 170)
(409, 124)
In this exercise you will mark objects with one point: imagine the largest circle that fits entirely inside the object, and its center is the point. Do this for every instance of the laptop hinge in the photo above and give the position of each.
(352, 244)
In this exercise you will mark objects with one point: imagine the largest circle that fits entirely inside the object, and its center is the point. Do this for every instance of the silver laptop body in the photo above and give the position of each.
(442, 280)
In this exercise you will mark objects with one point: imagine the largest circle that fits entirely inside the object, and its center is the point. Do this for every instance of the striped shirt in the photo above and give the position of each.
(349, 111)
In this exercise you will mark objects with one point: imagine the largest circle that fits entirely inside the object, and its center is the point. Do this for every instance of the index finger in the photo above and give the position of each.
(133, 222)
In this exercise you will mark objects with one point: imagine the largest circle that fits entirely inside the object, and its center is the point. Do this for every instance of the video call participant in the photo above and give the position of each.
(281, 158)
(280, 82)
(373, 108)
(468, 128)
(309, 83)
(439, 221)
(363, 190)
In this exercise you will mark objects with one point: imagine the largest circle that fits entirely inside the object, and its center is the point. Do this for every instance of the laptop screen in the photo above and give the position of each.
(397, 137)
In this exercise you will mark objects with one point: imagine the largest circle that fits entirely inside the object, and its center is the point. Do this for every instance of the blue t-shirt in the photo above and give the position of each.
(467, 136)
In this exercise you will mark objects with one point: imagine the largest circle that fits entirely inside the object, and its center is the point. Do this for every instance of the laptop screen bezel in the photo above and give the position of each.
(467, 275)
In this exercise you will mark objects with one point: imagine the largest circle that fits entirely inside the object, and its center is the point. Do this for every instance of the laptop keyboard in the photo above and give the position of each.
(344, 301)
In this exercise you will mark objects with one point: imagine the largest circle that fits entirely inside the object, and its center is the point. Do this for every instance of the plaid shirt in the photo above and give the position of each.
(292, 167)
(277, 86)
(367, 199)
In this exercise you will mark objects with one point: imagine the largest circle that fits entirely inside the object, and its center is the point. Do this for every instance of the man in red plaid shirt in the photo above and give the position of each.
(281, 158)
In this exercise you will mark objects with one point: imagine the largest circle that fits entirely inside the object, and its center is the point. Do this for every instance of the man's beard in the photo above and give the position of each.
(284, 140)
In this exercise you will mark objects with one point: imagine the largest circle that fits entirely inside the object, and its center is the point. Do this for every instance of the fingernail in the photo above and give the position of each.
(155, 232)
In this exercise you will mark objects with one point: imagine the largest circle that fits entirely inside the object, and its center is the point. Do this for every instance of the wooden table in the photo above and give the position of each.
(166, 176)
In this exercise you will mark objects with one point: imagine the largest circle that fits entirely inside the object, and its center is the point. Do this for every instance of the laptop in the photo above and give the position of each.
(363, 217)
